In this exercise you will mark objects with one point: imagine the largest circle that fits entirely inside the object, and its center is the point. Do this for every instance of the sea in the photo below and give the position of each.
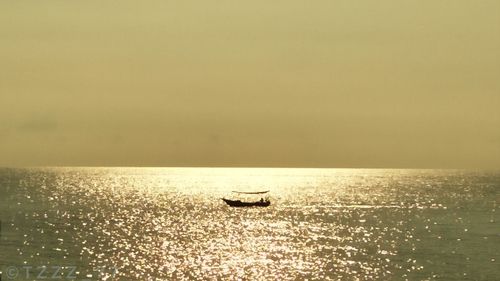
(322, 224)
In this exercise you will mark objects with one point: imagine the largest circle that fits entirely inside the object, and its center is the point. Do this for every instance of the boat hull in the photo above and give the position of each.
(239, 203)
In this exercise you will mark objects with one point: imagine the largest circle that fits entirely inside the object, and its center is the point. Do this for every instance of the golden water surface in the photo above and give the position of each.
(323, 224)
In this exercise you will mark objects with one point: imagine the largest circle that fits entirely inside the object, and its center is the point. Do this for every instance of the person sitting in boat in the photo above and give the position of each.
(262, 200)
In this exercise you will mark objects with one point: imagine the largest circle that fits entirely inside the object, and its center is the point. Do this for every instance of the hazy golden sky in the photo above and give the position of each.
(250, 83)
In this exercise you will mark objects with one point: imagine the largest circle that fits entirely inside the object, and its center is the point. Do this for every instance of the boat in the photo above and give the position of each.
(239, 203)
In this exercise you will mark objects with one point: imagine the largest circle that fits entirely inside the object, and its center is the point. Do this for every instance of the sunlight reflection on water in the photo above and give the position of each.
(322, 224)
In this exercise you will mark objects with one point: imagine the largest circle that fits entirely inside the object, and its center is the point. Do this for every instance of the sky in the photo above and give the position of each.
(372, 84)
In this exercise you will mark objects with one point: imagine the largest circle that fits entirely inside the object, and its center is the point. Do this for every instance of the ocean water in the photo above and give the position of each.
(323, 224)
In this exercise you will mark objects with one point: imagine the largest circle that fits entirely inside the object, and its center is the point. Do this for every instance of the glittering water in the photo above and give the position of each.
(169, 223)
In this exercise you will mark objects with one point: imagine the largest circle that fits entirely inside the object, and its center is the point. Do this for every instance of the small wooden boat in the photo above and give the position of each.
(239, 203)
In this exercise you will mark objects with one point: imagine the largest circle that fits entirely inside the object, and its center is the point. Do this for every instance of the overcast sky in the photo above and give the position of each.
(385, 83)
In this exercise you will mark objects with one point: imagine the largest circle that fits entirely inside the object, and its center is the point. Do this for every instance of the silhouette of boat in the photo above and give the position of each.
(239, 203)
